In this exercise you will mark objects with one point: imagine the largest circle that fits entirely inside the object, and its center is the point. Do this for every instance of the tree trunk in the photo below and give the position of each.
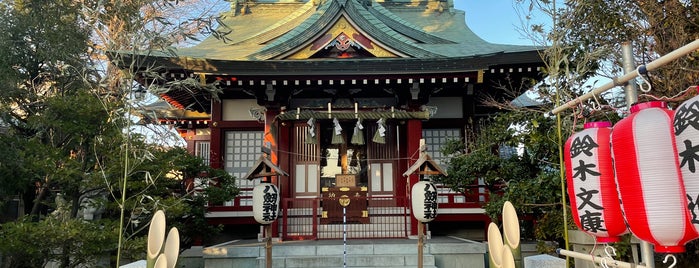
(75, 206)
(43, 191)
(65, 259)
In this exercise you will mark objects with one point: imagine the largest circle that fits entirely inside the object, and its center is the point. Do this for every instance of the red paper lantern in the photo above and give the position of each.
(649, 179)
(686, 123)
(591, 185)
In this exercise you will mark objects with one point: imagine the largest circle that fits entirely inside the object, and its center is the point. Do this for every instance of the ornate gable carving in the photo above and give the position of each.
(342, 40)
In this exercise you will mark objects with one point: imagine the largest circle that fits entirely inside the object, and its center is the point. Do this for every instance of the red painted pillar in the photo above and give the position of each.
(414, 134)
(270, 140)
(284, 147)
(216, 135)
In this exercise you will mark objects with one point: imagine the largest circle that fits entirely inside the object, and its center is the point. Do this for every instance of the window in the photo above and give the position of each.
(381, 177)
(202, 149)
(306, 162)
(242, 149)
(435, 138)
(382, 161)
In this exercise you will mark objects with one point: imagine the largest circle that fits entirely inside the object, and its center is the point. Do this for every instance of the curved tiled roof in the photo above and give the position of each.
(282, 26)
(414, 29)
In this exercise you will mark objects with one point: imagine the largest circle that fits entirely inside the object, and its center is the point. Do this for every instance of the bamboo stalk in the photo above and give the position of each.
(172, 247)
(156, 237)
(495, 246)
(510, 226)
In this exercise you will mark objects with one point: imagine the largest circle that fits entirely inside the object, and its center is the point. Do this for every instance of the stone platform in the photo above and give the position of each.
(376, 253)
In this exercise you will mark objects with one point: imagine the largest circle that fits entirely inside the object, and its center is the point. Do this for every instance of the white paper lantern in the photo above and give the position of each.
(649, 179)
(424, 201)
(592, 187)
(265, 203)
(686, 125)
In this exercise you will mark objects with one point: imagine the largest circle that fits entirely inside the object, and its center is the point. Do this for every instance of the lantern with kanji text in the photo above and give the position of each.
(686, 126)
(424, 201)
(265, 202)
(649, 179)
(591, 185)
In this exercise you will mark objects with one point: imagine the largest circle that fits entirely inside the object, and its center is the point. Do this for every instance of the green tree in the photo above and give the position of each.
(654, 28)
(582, 41)
(70, 146)
(515, 154)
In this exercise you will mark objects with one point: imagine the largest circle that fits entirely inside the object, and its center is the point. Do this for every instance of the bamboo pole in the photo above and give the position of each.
(598, 260)
(618, 81)
(156, 238)
(495, 246)
(511, 235)
(171, 249)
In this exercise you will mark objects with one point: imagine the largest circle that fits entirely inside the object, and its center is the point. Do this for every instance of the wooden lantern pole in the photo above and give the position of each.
(268, 245)
(420, 242)
(420, 224)
(423, 166)
(265, 169)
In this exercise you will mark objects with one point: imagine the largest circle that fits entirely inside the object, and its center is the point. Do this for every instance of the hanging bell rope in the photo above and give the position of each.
(311, 135)
(337, 133)
(380, 135)
(358, 135)
(618, 81)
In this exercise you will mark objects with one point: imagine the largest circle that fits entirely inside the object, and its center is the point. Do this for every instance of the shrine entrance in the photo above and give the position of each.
(343, 171)
(350, 169)
(343, 157)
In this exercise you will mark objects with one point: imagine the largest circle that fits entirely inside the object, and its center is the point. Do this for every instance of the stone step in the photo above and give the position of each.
(372, 219)
(354, 261)
(335, 231)
(367, 253)
(407, 266)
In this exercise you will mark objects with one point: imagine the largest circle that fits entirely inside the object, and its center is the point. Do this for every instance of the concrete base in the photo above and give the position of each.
(191, 258)
(138, 264)
(584, 243)
(438, 252)
(544, 261)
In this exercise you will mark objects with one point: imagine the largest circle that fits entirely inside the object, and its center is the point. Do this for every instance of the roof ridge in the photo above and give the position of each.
(399, 24)
(377, 29)
(281, 27)
(330, 11)
(324, 14)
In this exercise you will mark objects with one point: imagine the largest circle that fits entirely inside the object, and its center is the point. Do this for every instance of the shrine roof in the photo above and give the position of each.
(390, 31)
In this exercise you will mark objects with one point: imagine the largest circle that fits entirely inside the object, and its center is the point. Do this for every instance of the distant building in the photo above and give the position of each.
(293, 73)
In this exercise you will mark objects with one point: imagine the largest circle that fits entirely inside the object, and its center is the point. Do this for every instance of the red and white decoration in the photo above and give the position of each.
(424, 201)
(649, 178)
(686, 126)
(591, 184)
(265, 202)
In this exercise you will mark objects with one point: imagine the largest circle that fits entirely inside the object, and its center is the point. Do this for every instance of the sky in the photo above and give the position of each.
(496, 21)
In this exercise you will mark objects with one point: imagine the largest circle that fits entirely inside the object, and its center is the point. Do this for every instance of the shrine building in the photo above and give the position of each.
(342, 92)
